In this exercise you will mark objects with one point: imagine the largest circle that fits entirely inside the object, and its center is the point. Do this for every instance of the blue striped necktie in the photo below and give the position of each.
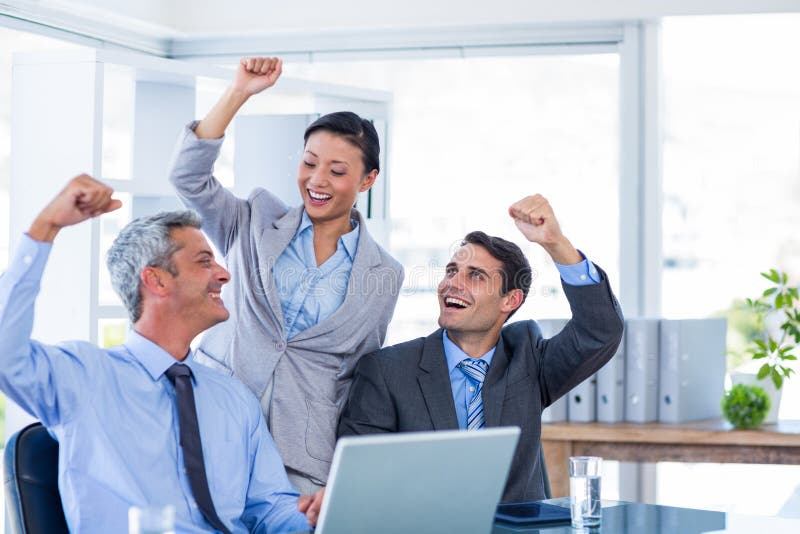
(475, 369)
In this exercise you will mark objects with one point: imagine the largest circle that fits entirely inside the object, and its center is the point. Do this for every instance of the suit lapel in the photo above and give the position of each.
(494, 387)
(273, 242)
(358, 286)
(434, 381)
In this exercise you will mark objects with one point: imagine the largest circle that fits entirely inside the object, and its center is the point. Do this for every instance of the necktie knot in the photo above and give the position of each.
(474, 368)
(177, 370)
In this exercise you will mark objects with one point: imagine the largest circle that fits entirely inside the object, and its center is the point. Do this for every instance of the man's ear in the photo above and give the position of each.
(513, 300)
(369, 180)
(154, 280)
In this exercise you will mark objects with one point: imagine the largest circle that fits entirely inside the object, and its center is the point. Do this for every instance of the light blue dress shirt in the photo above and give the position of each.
(458, 379)
(114, 414)
(580, 274)
(310, 294)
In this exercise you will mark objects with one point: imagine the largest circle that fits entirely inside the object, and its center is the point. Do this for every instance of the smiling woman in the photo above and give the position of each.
(312, 291)
(333, 170)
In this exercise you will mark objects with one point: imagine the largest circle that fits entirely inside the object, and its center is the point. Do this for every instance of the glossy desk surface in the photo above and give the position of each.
(636, 518)
(630, 518)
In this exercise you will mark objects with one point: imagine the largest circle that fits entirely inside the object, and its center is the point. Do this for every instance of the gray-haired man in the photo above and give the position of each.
(142, 424)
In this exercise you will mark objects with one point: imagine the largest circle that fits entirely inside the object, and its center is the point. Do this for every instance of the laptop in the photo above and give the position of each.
(417, 482)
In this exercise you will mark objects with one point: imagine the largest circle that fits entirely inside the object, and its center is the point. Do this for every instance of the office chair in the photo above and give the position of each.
(33, 504)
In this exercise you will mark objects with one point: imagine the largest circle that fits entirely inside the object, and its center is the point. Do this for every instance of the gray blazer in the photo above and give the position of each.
(311, 373)
(407, 388)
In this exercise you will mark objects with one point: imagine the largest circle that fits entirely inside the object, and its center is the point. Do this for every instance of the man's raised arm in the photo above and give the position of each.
(82, 198)
(34, 375)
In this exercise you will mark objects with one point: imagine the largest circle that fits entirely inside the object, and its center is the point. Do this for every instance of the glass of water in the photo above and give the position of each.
(151, 520)
(584, 490)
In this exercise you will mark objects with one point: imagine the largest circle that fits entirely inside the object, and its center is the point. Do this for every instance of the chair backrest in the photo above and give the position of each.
(33, 504)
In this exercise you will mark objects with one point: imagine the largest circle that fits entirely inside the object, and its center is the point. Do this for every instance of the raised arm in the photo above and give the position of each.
(592, 335)
(46, 381)
(82, 198)
(198, 148)
(253, 75)
(535, 219)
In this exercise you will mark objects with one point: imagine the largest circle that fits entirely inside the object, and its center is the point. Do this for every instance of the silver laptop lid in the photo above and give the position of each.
(417, 482)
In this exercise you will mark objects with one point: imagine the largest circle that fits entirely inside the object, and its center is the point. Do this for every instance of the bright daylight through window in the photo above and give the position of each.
(731, 210)
(471, 136)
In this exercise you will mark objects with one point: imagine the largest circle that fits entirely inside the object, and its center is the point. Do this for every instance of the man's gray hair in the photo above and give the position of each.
(144, 242)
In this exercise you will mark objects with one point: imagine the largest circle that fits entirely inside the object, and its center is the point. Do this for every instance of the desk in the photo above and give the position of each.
(635, 518)
(711, 440)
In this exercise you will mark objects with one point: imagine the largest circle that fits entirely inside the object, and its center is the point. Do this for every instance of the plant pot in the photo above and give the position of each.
(743, 376)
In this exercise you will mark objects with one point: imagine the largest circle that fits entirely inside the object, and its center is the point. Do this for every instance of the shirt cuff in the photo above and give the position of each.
(192, 126)
(579, 274)
(29, 260)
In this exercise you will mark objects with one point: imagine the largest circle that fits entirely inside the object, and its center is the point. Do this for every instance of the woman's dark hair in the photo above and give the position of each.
(515, 270)
(357, 131)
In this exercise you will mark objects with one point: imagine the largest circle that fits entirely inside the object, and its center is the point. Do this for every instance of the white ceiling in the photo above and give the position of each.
(203, 18)
(249, 16)
(305, 28)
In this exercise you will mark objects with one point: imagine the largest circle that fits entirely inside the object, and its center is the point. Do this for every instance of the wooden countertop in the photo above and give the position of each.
(709, 431)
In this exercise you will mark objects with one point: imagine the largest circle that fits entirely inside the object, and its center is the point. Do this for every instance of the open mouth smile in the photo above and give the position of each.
(454, 302)
(318, 199)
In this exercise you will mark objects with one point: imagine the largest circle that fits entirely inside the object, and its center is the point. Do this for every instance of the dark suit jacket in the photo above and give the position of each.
(406, 387)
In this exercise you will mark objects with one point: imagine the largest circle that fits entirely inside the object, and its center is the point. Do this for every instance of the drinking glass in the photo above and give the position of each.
(584, 490)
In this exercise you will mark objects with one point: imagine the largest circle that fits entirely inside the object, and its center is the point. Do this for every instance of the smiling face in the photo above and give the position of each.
(330, 177)
(196, 280)
(470, 295)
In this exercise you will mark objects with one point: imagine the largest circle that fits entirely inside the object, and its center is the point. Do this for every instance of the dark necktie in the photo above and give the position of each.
(180, 375)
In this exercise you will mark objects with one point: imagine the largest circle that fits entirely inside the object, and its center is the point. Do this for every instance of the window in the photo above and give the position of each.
(731, 207)
(11, 42)
(731, 165)
(468, 137)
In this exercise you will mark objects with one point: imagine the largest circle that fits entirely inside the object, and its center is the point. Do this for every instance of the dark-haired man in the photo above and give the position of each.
(475, 372)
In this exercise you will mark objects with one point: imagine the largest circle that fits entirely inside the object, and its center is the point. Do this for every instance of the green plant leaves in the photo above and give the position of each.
(777, 378)
(764, 371)
(745, 406)
(781, 299)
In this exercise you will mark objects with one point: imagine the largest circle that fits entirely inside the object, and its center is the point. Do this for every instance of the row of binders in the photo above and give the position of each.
(665, 370)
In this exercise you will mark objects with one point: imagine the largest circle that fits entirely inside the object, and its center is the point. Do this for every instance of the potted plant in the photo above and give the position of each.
(745, 406)
(771, 351)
